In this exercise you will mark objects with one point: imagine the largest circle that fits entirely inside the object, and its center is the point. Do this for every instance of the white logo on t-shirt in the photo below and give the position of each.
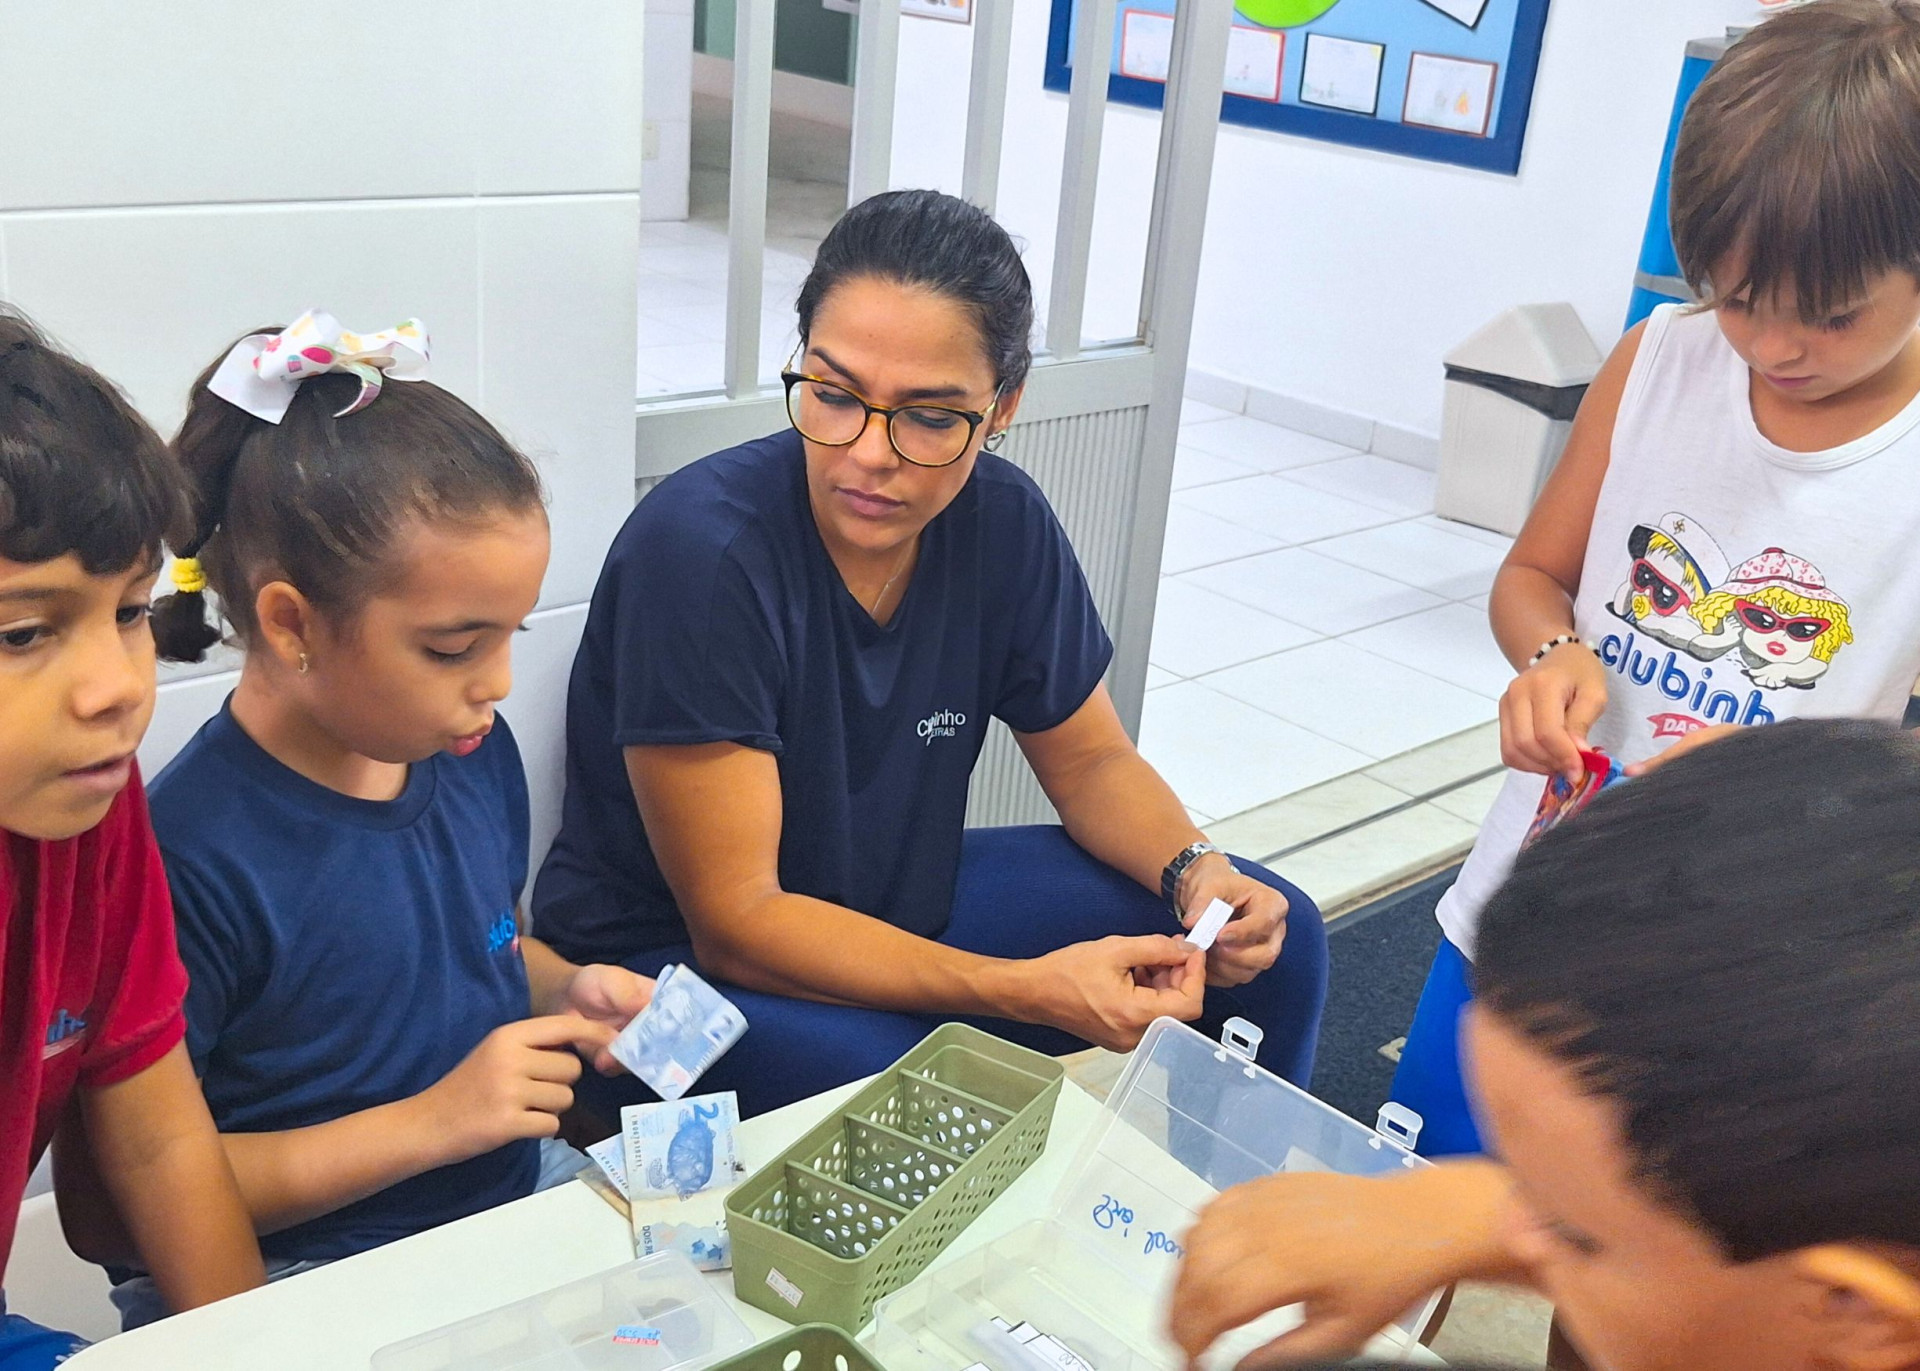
(942, 723)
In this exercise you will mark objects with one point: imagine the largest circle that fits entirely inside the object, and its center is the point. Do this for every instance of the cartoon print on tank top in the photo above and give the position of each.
(1774, 617)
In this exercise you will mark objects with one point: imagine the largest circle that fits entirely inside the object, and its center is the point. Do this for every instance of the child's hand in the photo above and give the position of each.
(514, 1085)
(1356, 1252)
(1546, 712)
(1699, 738)
(609, 995)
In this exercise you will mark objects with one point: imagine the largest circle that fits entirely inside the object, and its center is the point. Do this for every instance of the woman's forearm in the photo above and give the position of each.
(785, 944)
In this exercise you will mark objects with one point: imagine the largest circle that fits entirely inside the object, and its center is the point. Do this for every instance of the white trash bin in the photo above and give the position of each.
(1512, 390)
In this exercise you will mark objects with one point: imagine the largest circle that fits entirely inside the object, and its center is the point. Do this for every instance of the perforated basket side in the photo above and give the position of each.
(939, 1115)
(894, 1166)
(834, 1217)
(790, 1277)
(820, 1347)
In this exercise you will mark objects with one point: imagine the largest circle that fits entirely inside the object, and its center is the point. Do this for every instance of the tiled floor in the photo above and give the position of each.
(1317, 621)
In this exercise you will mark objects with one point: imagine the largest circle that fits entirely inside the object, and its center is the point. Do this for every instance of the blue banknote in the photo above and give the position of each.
(684, 1030)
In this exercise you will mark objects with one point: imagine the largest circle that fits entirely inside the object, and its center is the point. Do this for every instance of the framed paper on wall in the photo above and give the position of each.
(1443, 80)
(1342, 73)
(1449, 93)
(1255, 57)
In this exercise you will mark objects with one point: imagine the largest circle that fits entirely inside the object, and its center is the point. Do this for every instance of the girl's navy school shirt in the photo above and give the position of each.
(346, 953)
(719, 617)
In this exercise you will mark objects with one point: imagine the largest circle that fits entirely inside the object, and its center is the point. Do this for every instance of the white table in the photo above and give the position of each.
(336, 1317)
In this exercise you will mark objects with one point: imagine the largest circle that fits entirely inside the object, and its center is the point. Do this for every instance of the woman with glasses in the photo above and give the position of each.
(784, 683)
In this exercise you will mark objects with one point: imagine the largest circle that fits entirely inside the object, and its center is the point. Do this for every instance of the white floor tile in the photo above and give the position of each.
(1307, 815)
(1199, 820)
(684, 366)
(1157, 677)
(1284, 511)
(1318, 592)
(669, 325)
(1192, 467)
(1479, 602)
(1447, 762)
(1472, 801)
(1419, 555)
(1372, 480)
(1196, 631)
(1196, 540)
(1266, 446)
(1453, 642)
(1224, 757)
(1343, 871)
(1479, 535)
(670, 292)
(1362, 701)
(1194, 411)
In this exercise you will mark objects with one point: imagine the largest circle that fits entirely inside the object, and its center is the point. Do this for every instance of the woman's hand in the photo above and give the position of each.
(1546, 712)
(1251, 941)
(1356, 1252)
(1108, 991)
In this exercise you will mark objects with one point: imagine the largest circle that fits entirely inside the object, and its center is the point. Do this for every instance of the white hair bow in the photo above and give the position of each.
(263, 370)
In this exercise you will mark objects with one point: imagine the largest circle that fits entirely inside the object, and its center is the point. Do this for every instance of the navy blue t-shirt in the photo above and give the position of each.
(719, 617)
(346, 953)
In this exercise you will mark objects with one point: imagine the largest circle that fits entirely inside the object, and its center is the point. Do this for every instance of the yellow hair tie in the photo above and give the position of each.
(188, 578)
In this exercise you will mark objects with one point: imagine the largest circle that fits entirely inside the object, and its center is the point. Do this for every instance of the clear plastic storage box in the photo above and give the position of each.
(1189, 1118)
(655, 1314)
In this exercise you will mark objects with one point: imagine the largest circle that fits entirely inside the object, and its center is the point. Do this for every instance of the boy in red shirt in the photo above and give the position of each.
(90, 982)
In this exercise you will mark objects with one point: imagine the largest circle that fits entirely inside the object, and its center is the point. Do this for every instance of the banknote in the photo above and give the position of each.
(677, 1148)
(610, 1155)
(682, 1031)
(696, 1227)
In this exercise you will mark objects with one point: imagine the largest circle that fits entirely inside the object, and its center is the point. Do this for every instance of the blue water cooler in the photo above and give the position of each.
(1658, 281)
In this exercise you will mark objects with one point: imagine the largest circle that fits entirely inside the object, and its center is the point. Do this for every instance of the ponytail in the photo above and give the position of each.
(318, 498)
(207, 449)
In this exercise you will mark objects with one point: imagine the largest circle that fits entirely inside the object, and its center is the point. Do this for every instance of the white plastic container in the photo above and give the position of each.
(587, 1325)
(1189, 1118)
(1511, 392)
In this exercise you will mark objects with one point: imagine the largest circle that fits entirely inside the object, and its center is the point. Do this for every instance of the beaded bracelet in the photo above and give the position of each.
(1563, 640)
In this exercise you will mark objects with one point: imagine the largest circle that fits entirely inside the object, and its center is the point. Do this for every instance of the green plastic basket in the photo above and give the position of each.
(810, 1347)
(859, 1206)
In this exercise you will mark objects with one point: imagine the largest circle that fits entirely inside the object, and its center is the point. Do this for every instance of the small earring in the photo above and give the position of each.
(303, 664)
(994, 440)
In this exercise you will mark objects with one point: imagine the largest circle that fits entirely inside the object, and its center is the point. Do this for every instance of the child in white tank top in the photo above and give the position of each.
(1733, 534)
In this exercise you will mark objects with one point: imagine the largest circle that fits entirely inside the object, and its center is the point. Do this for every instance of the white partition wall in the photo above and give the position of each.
(175, 175)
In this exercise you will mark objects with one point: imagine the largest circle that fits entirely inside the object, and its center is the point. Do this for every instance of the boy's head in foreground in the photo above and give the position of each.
(1796, 196)
(87, 491)
(1697, 1045)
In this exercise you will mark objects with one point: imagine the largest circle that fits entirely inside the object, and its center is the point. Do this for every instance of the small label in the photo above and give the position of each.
(783, 1287)
(637, 1335)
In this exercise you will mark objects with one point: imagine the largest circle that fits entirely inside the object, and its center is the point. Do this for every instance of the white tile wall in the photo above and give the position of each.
(128, 103)
(150, 296)
(168, 185)
(558, 304)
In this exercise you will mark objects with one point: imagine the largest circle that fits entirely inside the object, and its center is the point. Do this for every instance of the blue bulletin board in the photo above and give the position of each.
(1444, 80)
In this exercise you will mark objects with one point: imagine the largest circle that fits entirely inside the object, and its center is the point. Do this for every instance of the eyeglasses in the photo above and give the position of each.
(924, 435)
(1763, 620)
(1664, 593)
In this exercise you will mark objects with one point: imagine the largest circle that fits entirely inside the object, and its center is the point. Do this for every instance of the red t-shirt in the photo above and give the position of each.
(91, 985)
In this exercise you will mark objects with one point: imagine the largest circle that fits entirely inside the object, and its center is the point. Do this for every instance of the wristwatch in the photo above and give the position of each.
(1175, 869)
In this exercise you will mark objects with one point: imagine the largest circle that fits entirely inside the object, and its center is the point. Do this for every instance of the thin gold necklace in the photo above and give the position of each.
(900, 566)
